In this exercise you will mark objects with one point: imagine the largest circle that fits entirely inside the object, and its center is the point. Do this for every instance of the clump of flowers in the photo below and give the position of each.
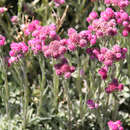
(41, 37)
(122, 18)
(109, 56)
(103, 72)
(120, 3)
(106, 24)
(91, 104)
(28, 28)
(103, 26)
(117, 125)
(63, 68)
(93, 15)
(35, 45)
(3, 9)
(17, 51)
(2, 40)
(80, 39)
(93, 52)
(46, 33)
(114, 86)
(55, 49)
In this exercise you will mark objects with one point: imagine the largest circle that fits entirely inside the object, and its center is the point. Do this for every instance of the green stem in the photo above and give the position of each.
(20, 4)
(115, 107)
(78, 83)
(42, 83)
(99, 119)
(55, 86)
(7, 96)
(26, 95)
(46, 11)
(5, 85)
(66, 88)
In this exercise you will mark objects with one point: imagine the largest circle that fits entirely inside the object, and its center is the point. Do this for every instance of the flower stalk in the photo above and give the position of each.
(4, 71)
(67, 96)
(42, 83)
(26, 95)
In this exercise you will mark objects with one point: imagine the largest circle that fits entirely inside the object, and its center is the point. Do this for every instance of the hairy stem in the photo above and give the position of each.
(42, 83)
(26, 95)
(67, 96)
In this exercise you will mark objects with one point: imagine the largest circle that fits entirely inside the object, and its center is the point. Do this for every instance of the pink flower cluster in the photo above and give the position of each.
(35, 45)
(92, 16)
(80, 39)
(64, 68)
(120, 3)
(103, 26)
(41, 36)
(3, 9)
(17, 51)
(117, 125)
(55, 49)
(59, 2)
(45, 33)
(30, 27)
(91, 104)
(106, 24)
(103, 72)
(114, 86)
(45, 39)
(122, 18)
(2, 40)
(93, 52)
(109, 56)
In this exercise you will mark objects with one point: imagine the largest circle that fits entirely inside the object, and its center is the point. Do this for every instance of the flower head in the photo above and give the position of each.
(91, 104)
(2, 40)
(117, 125)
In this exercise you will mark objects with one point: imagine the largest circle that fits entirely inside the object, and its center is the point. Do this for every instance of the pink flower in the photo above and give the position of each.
(59, 2)
(71, 31)
(72, 69)
(103, 73)
(114, 86)
(71, 46)
(105, 25)
(64, 68)
(2, 40)
(120, 3)
(110, 56)
(35, 45)
(56, 49)
(3, 9)
(17, 51)
(14, 19)
(92, 16)
(125, 33)
(120, 87)
(91, 104)
(30, 27)
(83, 43)
(67, 75)
(12, 60)
(117, 125)
(107, 14)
